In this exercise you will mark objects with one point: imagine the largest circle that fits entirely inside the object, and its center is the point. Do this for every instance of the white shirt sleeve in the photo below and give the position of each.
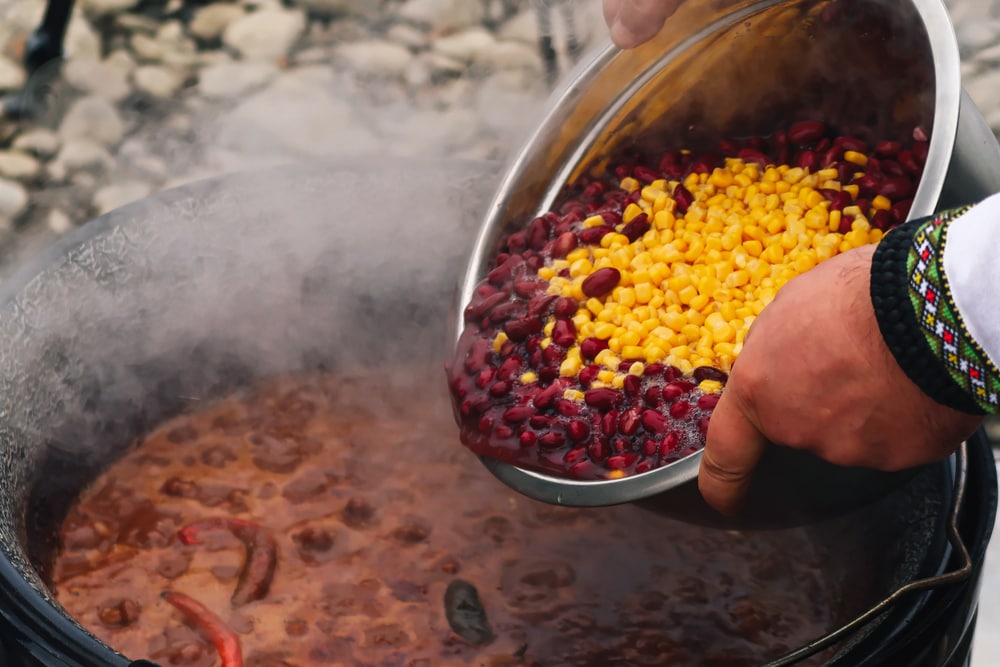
(972, 268)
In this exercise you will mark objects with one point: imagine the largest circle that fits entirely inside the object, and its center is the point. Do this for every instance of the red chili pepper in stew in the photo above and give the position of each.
(208, 624)
(261, 554)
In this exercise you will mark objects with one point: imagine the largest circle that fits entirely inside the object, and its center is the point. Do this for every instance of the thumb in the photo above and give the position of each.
(732, 449)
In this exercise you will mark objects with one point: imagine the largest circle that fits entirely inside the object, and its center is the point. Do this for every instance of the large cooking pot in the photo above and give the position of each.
(198, 290)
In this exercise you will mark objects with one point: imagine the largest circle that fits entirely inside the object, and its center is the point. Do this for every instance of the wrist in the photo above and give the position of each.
(920, 324)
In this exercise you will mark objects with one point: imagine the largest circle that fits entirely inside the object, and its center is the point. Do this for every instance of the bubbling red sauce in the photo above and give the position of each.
(330, 520)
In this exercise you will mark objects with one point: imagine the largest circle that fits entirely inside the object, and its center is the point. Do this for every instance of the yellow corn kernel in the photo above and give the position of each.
(855, 157)
(834, 223)
(710, 386)
(569, 367)
(629, 184)
(630, 212)
(606, 376)
(881, 203)
(499, 340)
(529, 377)
(616, 474)
(852, 190)
(573, 395)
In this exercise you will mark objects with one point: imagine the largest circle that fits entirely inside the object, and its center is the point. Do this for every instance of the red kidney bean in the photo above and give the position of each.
(703, 423)
(920, 150)
(601, 282)
(563, 245)
(806, 132)
(909, 162)
(652, 395)
(851, 144)
(645, 174)
(502, 432)
(653, 421)
(517, 415)
(528, 288)
(588, 374)
(680, 409)
(807, 160)
(519, 329)
(632, 385)
(751, 155)
(628, 422)
(622, 461)
(564, 333)
(893, 168)
(499, 389)
(703, 373)
(682, 198)
(509, 368)
(551, 440)
(882, 220)
(708, 401)
(575, 455)
(554, 354)
(675, 390)
(539, 304)
(669, 443)
(919, 134)
(565, 306)
(603, 398)
(896, 188)
(598, 449)
(567, 408)
(609, 423)
(505, 311)
(649, 447)
(900, 210)
(636, 228)
(528, 439)
(888, 148)
(578, 430)
(593, 235)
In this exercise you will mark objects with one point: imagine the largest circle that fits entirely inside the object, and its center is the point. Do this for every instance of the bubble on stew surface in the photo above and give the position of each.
(599, 341)
(341, 525)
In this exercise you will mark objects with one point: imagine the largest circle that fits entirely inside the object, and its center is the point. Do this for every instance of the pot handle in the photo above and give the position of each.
(957, 575)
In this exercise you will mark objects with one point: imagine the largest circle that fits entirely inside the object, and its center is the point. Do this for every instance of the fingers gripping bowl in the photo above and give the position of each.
(668, 194)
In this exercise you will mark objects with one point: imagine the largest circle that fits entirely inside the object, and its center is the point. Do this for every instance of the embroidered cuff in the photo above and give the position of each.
(920, 323)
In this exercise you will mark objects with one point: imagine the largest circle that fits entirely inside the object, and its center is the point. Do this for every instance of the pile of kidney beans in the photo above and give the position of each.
(661, 416)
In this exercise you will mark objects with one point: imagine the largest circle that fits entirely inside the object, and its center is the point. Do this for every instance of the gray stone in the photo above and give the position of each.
(39, 141)
(92, 118)
(104, 79)
(234, 79)
(157, 80)
(13, 199)
(440, 65)
(82, 41)
(18, 166)
(147, 48)
(136, 23)
(444, 14)
(512, 55)
(102, 7)
(117, 195)
(467, 46)
(267, 34)
(334, 8)
(375, 57)
(209, 22)
(409, 36)
(976, 35)
(79, 154)
(12, 75)
(58, 221)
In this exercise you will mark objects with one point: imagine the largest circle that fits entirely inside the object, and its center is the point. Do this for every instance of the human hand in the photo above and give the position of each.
(634, 22)
(815, 374)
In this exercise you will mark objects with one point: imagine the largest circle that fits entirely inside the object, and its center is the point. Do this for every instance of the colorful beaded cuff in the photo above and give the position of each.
(920, 322)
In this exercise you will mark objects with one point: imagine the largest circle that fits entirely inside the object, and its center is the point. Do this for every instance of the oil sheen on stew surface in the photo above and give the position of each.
(372, 514)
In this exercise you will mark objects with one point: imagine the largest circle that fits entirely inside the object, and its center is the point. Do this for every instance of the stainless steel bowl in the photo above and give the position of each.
(722, 69)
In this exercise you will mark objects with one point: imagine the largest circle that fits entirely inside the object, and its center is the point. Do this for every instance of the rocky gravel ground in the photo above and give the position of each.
(156, 93)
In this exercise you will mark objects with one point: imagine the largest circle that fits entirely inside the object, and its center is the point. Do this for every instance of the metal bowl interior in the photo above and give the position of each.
(730, 70)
